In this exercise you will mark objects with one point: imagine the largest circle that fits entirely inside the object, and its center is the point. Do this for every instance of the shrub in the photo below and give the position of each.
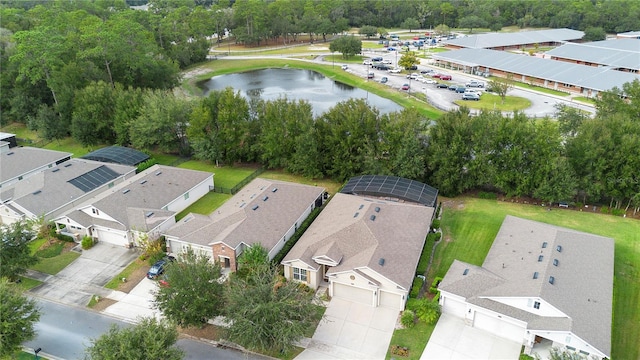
(51, 251)
(605, 210)
(145, 165)
(415, 288)
(435, 224)
(408, 319)
(399, 350)
(87, 242)
(436, 281)
(65, 238)
(487, 195)
(618, 212)
(423, 263)
(412, 304)
(437, 236)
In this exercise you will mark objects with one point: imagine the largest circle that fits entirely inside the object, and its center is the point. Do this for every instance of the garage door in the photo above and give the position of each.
(353, 293)
(391, 300)
(110, 237)
(454, 307)
(498, 327)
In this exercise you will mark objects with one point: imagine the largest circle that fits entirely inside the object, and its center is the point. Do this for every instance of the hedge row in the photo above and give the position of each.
(415, 288)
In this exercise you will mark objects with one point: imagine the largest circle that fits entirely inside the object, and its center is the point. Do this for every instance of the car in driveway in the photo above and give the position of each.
(442, 86)
(405, 87)
(158, 267)
(471, 96)
(445, 77)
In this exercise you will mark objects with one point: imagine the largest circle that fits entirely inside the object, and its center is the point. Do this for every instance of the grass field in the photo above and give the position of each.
(470, 225)
(494, 102)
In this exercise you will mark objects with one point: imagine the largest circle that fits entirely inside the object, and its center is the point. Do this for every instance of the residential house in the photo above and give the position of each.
(54, 190)
(366, 244)
(540, 285)
(143, 205)
(265, 212)
(18, 163)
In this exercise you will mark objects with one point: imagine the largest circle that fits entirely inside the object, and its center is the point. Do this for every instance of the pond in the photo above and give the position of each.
(296, 84)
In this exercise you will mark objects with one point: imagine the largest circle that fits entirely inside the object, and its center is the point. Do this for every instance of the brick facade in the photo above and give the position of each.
(221, 251)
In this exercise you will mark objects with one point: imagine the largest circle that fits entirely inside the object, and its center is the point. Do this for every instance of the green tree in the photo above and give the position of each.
(266, 312)
(93, 117)
(411, 24)
(194, 293)
(306, 156)
(15, 255)
(594, 34)
(408, 59)
(501, 86)
(471, 22)
(18, 315)
(149, 339)
(368, 31)
(446, 9)
(428, 311)
(347, 45)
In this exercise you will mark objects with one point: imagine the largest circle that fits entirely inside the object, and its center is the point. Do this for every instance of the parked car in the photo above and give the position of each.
(413, 67)
(370, 75)
(442, 86)
(429, 71)
(445, 77)
(384, 80)
(412, 76)
(391, 48)
(377, 58)
(436, 75)
(460, 89)
(475, 84)
(470, 96)
(387, 62)
(405, 87)
(428, 81)
(345, 67)
(158, 267)
(382, 67)
(472, 91)
(395, 70)
(366, 62)
(453, 87)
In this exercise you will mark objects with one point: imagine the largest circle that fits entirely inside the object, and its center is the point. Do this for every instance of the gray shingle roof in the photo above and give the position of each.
(235, 222)
(396, 235)
(619, 53)
(149, 191)
(583, 277)
(51, 189)
(597, 78)
(20, 160)
(492, 40)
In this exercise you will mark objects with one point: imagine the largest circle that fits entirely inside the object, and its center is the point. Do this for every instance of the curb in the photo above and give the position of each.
(41, 354)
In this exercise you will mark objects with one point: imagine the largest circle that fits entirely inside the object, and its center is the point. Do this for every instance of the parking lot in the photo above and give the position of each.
(541, 104)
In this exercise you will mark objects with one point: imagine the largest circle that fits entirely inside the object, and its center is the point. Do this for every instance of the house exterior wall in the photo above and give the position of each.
(563, 340)
(191, 196)
(351, 278)
(8, 215)
(527, 304)
(111, 236)
(314, 277)
(221, 251)
(177, 247)
(453, 304)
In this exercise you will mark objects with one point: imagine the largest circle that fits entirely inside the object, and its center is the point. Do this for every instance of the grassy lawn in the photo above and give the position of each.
(28, 284)
(54, 264)
(494, 102)
(206, 205)
(23, 355)
(585, 100)
(225, 176)
(470, 225)
(221, 67)
(126, 273)
(35, 245)
(70, 145)
(535, 87)
(21, 131)
(331, 186)
(413, 339)
(164, 159)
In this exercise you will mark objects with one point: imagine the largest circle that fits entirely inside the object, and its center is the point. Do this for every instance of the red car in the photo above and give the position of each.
(445, 77)
(436, 75)
(405, 87)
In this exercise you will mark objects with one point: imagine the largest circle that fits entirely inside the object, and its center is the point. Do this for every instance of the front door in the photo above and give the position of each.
(227, 263)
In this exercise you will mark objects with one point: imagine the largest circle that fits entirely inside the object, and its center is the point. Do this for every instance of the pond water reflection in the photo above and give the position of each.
(296, 84)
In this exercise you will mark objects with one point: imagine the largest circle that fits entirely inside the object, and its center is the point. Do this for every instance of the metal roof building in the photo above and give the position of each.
(515, 40)
(576, 78)
(118, 155)
(621, 54)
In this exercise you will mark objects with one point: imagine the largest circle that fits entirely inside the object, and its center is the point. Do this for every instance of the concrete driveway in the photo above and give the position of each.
(452, 339)
(87, 275)
(137, 303)
(352, 331)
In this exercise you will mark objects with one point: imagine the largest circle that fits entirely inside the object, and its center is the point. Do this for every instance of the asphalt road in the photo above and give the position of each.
(65, 331)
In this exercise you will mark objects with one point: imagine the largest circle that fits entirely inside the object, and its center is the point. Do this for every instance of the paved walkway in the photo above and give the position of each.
(137, 303)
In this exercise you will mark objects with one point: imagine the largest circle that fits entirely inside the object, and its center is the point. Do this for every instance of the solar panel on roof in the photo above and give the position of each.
(94, 178)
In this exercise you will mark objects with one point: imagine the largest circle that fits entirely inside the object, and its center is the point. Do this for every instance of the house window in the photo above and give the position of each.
(299, 274)
(536, 305)
(186, 196)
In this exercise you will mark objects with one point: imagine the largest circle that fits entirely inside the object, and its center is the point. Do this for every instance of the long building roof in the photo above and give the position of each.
(493, 40)
(618, 53)
(595, 78)
(21, 160)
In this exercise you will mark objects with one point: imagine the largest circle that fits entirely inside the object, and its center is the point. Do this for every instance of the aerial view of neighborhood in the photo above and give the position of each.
(320, 179)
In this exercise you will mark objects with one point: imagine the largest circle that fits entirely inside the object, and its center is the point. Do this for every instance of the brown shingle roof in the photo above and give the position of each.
(397, 235)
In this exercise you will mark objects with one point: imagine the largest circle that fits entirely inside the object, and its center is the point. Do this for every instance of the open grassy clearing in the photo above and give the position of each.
(221, 67)
(494, 102)
(470, 225)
